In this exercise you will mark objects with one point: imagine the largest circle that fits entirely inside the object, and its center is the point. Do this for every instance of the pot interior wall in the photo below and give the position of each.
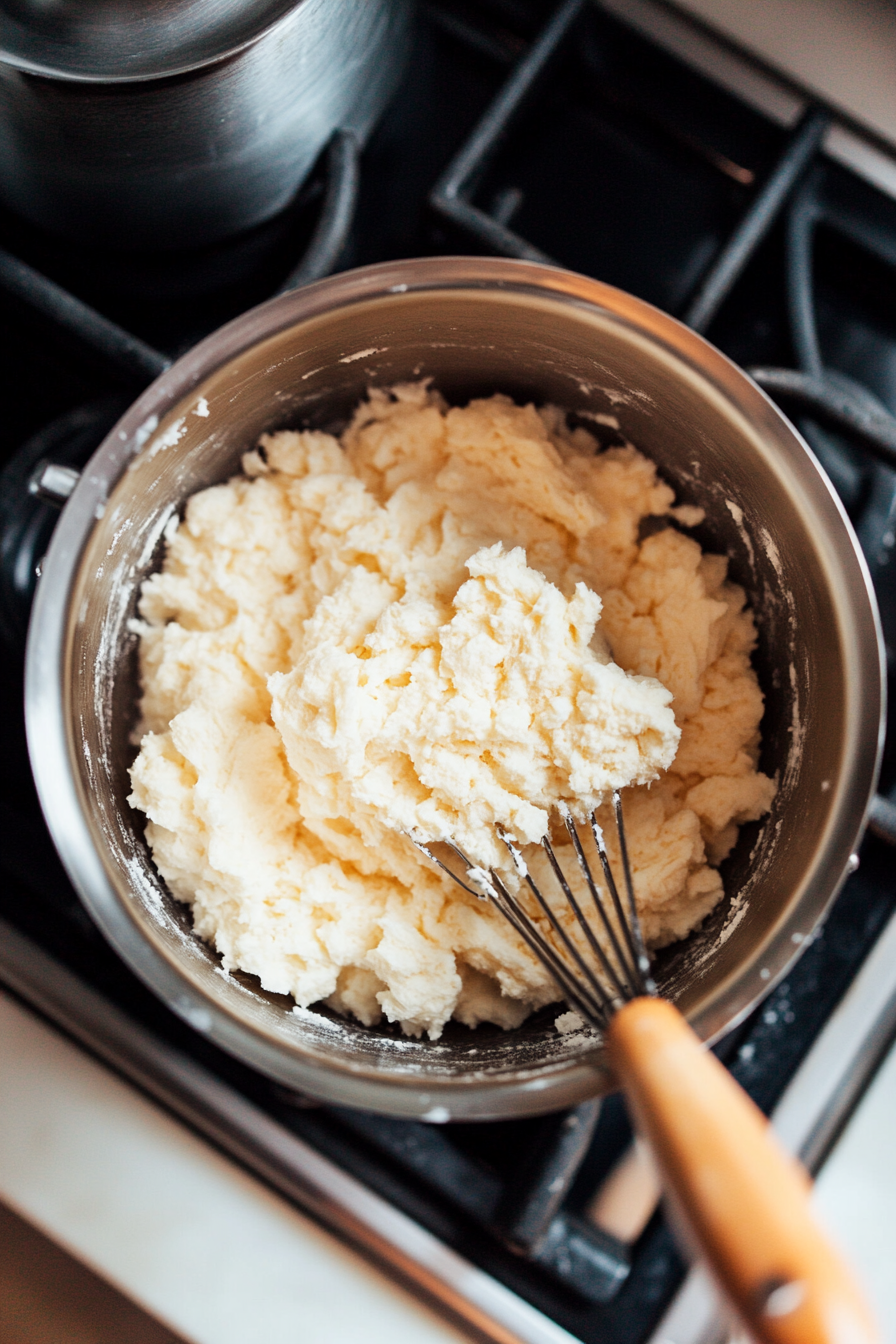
(770, 514)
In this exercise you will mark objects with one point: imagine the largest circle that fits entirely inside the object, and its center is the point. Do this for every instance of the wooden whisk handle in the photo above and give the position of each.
(742, 1198)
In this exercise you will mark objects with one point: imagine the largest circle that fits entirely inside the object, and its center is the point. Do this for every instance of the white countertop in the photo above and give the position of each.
(844, 51)
(218, 1258)
(188, 1235)
(856, 1192)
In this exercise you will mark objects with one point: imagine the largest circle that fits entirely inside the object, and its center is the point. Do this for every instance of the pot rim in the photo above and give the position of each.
(37, 53)
(545, 1088)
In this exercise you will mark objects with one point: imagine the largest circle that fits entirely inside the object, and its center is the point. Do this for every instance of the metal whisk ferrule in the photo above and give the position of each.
(596, 986)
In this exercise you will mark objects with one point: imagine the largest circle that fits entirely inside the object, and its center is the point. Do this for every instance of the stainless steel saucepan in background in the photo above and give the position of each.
(173, 123)
(475, 326)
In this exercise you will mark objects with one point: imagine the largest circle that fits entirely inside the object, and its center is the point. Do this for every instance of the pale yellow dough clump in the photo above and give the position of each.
(397, 633)
(443, 719)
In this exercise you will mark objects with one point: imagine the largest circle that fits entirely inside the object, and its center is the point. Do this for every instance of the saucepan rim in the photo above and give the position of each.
(54, 753)
(37, 53)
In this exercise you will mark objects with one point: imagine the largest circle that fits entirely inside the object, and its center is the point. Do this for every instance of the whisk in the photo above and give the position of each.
(740, 1199)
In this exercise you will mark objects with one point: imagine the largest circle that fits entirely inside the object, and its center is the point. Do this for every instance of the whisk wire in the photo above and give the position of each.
(434, 858)
(628, 977)
(593, 983)
(631, 962)
(633, 926)
(592, 1009)
(490, 884)
(581, 985)
(605, 963)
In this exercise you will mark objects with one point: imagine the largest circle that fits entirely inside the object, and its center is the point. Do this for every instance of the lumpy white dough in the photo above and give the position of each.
(397, 632)
(445, 719)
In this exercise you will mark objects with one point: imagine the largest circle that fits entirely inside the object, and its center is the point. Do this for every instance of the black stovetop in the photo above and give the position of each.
(620, 162)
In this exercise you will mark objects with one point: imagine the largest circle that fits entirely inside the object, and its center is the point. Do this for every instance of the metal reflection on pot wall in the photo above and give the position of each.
(180, 123)
(475, 325)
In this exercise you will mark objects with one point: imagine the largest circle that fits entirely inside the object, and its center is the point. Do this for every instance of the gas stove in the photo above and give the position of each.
(614, 139)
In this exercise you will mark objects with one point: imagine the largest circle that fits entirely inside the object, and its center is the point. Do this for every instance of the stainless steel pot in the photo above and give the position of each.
(476, 326)
(177, 122)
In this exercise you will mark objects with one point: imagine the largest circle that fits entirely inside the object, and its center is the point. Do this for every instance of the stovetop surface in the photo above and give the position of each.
(630, 167)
